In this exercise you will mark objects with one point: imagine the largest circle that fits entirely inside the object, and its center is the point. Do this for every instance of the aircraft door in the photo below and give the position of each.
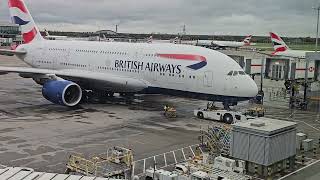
(208, 79)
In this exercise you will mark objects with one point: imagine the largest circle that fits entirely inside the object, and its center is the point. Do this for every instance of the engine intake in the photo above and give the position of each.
(63, 92)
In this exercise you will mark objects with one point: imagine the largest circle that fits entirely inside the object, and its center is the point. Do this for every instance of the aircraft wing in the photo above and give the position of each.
(102, 81)
(8, 52)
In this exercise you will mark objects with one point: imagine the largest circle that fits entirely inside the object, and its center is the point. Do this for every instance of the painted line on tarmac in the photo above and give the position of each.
(307, 125)
(293, 113)
(299, 170)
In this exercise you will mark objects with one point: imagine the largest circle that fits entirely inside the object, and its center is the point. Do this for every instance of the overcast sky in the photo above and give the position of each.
(213, 17)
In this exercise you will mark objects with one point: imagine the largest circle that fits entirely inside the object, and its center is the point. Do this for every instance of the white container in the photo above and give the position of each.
(307, 144)
(299, 138)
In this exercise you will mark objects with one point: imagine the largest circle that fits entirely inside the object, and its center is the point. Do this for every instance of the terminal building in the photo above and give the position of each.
(9, 33)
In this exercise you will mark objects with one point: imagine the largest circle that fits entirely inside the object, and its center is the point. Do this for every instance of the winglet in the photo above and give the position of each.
(247, 40)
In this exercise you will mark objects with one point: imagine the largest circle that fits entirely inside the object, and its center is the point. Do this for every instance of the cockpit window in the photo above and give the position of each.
(235, 73)
(230, 73)
(242, 73)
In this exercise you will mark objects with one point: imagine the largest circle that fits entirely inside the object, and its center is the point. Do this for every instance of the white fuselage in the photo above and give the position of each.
(141, 61)
(233, 44)
(293, 53)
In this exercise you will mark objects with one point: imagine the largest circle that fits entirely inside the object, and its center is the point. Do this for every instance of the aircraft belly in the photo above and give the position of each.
(106, 86)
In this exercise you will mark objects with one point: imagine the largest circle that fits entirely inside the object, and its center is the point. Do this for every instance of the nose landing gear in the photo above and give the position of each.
(227, 104)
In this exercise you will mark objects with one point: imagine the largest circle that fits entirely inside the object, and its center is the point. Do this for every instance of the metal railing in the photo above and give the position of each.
(166, 159)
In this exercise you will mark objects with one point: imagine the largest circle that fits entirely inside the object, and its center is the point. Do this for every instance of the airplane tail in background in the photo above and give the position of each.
(247, 40)
(20, 15)
(46, 33)
(278, 44)
(150, 39)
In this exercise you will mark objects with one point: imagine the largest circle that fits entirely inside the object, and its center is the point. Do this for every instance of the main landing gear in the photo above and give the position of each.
(103, 97)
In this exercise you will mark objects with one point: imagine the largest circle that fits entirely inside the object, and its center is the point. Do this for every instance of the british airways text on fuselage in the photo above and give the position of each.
(147, 66)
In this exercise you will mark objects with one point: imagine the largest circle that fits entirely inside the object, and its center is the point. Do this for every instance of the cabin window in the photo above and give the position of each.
(230, 73)
(242, 73)
(235, 73)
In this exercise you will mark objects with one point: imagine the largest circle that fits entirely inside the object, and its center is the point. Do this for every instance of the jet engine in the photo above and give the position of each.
(62, 92)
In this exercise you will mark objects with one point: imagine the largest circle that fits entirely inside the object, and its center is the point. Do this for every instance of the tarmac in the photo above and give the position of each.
(37, 134)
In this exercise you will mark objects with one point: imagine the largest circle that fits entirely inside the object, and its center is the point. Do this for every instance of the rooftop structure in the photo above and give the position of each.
(263, 141)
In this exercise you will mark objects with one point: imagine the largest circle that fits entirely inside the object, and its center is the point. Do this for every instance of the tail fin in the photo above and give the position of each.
(20, 15)
(247, 40)
(46, 33)
(177, 40)
(278, 44)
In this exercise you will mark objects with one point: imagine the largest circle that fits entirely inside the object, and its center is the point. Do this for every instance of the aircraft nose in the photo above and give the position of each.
(252, 88)
(249, 87)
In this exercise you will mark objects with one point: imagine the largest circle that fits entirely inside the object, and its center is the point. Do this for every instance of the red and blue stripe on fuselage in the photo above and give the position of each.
(188, 57)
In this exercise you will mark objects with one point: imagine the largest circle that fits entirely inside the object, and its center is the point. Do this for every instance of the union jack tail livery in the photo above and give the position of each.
(247, 40)
(278, 44)
(20, 15)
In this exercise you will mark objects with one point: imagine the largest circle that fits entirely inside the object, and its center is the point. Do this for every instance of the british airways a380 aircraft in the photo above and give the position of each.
(69, 69)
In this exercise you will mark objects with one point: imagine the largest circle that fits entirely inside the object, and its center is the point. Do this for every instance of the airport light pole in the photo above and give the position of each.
(307, 61)
(317, 35)
(262, 76)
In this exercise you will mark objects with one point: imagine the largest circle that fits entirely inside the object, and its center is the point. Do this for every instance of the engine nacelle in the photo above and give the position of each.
(62, 92)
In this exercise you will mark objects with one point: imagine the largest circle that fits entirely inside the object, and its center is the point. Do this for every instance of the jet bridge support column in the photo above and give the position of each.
(311, 56)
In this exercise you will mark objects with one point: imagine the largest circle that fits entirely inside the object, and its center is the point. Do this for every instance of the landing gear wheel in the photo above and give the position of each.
(129, 101)
(149, 178)
(227, 118)
(200, 115)
(102, 100)
(85, 97)
(226, 106)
